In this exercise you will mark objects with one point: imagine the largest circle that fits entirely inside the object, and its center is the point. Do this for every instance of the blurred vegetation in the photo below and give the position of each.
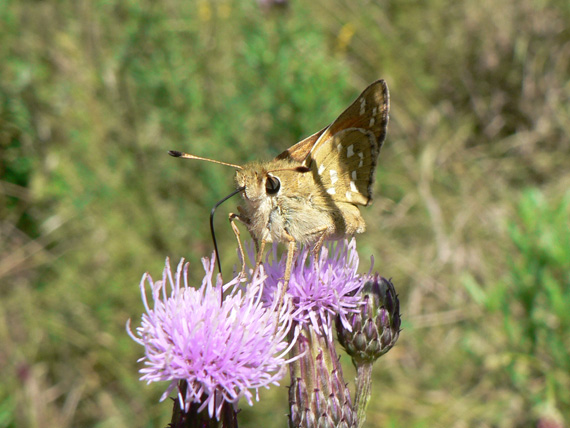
(471, 218)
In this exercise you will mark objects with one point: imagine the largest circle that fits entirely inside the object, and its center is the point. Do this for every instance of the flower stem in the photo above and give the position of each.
(363, 391)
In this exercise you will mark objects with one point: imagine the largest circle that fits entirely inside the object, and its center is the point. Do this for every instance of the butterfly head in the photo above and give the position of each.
(253, 177)
(266, 180)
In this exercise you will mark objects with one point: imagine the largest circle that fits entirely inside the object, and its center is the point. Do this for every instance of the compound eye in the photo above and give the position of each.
(272, 185)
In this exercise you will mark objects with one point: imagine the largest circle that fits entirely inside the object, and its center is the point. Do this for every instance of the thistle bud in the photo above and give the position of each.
(376, 326)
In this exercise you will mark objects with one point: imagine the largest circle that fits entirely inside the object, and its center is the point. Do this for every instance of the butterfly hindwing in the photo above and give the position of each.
(299, 151)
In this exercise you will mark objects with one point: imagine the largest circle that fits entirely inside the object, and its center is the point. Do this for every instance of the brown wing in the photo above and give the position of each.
(344, 165)
(299, 151)
(344, 157)
(360, 114)
(369, 111)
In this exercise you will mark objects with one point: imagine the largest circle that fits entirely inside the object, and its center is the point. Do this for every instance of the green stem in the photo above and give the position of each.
(363, 391)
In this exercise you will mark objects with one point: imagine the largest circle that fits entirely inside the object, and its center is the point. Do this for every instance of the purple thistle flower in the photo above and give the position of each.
(223, 349)
(321, 288)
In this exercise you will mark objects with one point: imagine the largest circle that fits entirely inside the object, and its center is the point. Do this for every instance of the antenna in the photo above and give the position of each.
(177, 154)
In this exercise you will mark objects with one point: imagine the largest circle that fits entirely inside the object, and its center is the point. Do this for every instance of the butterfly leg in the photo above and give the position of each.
(260, 249)
(233, 217)
(291, 248)
(318, 236)
(320, 240)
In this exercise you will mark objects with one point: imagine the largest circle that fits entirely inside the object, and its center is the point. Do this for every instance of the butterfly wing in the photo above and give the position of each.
(344, 156)
(369, 111)
(360, 114)
(301, 150)
(344, 165)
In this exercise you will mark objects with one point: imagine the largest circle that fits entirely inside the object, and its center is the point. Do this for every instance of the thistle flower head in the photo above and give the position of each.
(223, 349)
(320, 287)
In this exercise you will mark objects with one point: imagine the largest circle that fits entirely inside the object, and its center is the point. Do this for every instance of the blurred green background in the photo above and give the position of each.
(471, 217)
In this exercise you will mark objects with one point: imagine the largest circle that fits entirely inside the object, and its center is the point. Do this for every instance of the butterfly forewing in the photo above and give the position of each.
(344, 156)
(369, 111)
(345, 163)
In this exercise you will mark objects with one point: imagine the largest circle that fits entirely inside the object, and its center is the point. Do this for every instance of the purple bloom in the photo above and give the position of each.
(320, 288)
(224, 349)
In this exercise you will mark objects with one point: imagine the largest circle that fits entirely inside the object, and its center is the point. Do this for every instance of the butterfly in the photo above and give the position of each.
(312, 191)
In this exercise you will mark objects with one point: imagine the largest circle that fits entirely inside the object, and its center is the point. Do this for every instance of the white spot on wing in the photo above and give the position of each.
(353, 175)
(339, 147)
(361, 156)
(371, 124)
(331, 191)
(374, 111)
(353, 187)
(334, 176)
(362, 106)
(350, 151)
(348, 196)
(321, 169)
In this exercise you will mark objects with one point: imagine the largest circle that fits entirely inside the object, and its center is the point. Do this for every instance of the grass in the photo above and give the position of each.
(470, 218)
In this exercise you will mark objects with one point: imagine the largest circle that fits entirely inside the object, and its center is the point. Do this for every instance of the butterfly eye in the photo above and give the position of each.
(272, 185)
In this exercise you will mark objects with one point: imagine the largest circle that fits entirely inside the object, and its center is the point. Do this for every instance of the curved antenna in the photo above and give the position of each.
(177, 154)
(235, 192)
